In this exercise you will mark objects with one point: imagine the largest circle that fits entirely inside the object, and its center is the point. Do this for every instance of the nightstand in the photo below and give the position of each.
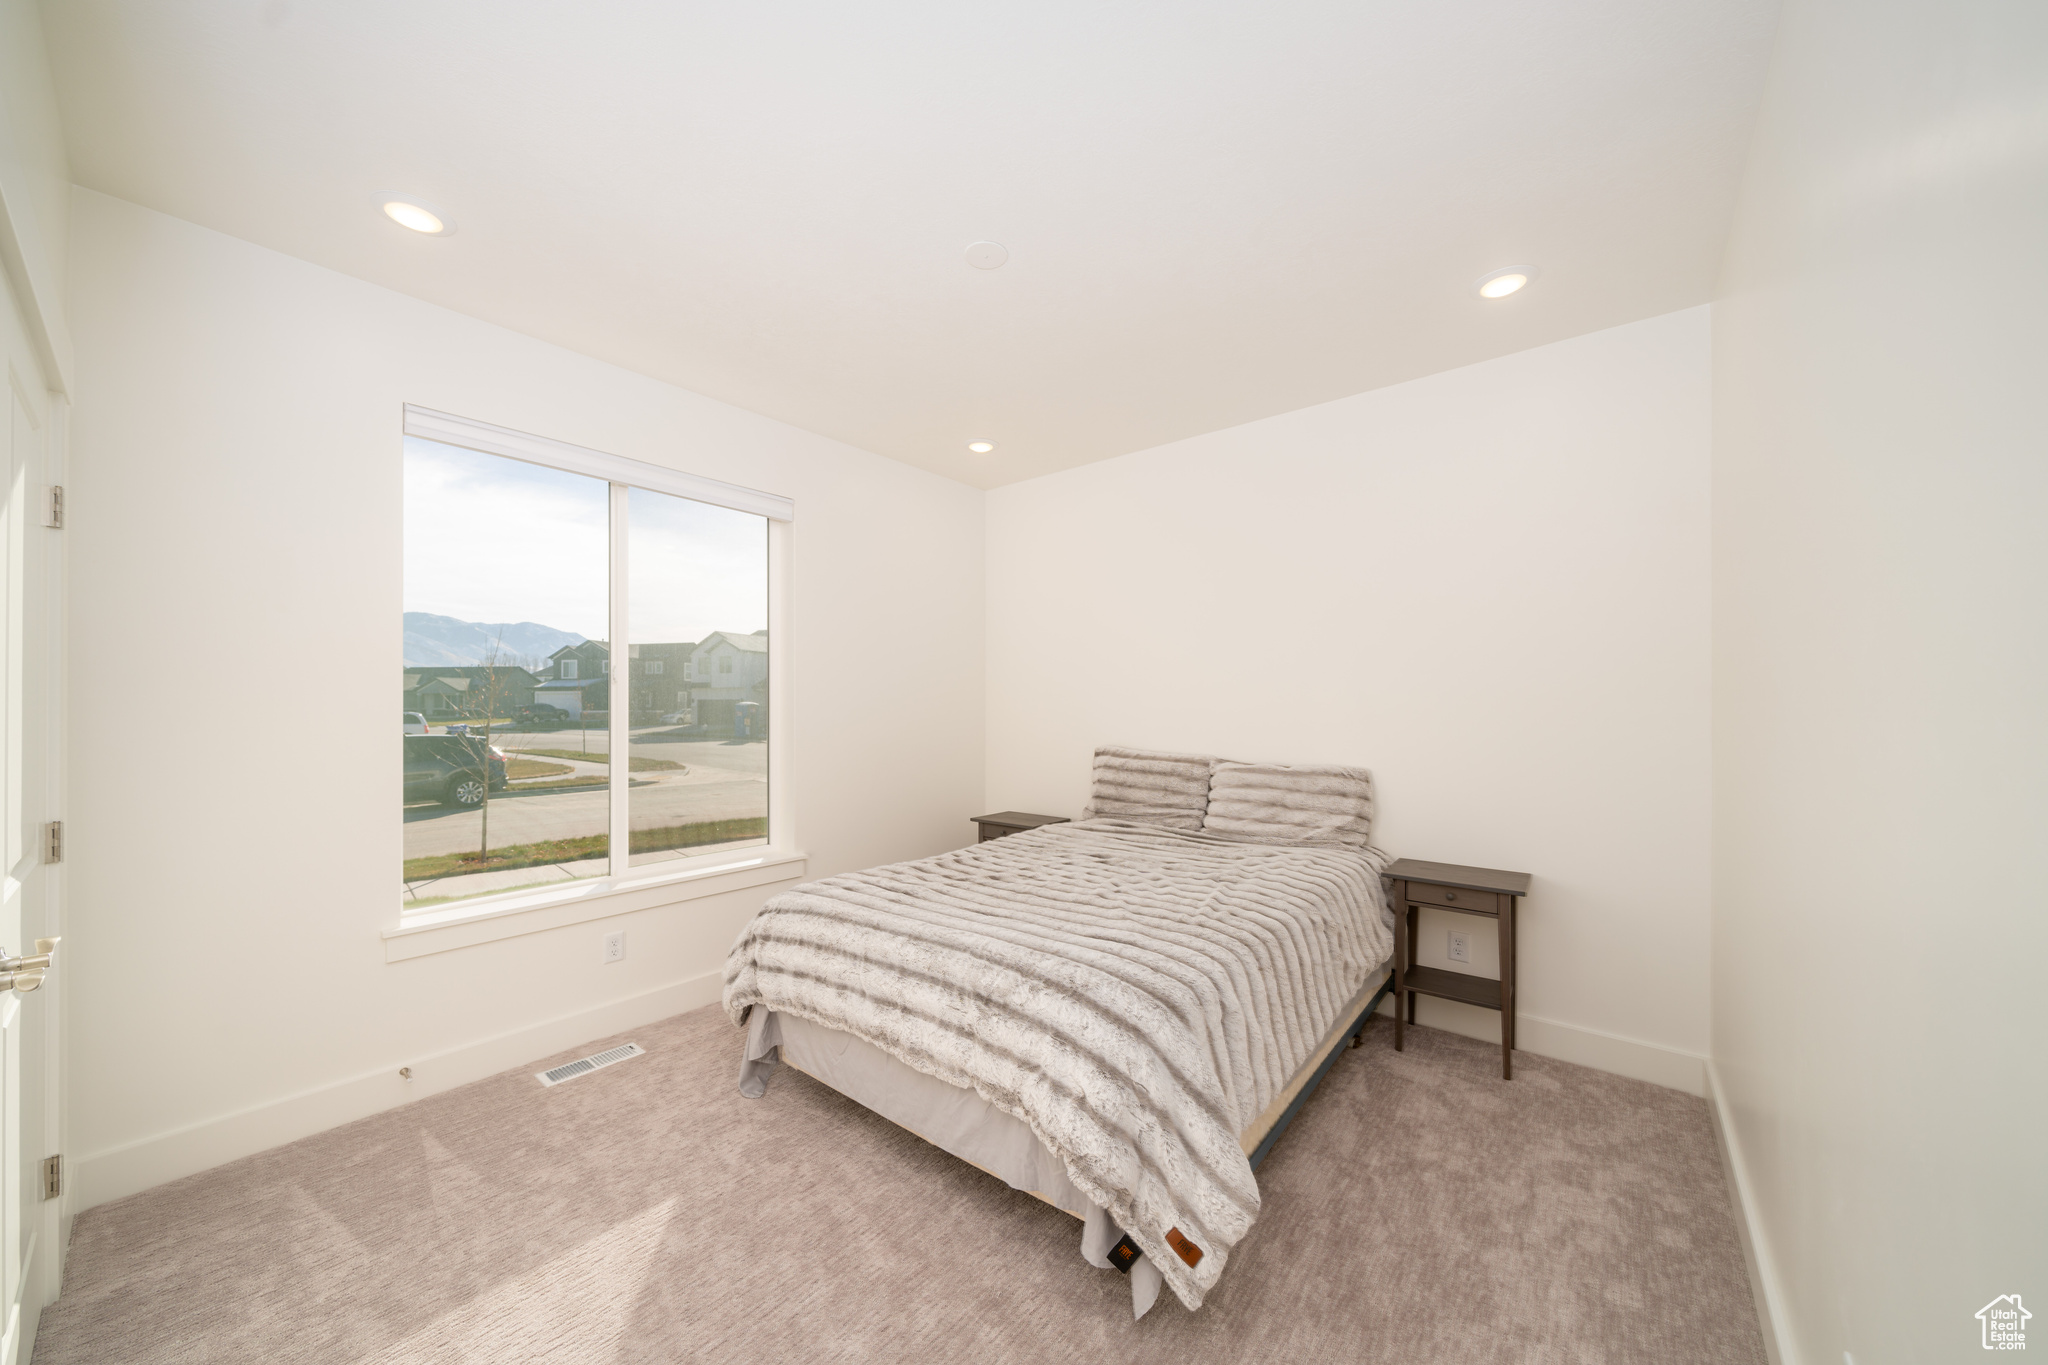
(1468, 891)
(1012, 822)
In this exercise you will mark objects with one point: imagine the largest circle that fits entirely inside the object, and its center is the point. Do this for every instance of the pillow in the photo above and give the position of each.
(1162, 789)
(1274, 803)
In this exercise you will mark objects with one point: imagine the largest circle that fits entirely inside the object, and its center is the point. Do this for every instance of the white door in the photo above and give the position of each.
(31, 1226)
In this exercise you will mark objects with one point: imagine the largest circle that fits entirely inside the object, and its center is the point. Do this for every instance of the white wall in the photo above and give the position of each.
(236, 544)
(1881, 677)
(1489, 586)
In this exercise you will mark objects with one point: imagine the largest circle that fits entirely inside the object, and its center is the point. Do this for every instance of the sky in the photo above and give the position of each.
(494, 539)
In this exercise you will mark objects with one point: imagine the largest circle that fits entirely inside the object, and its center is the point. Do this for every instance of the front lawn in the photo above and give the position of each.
(518, 769)
(636, 765)
(548, 851)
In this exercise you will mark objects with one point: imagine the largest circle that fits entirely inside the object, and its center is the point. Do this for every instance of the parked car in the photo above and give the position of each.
(415, 723)
(452, 769)
(541, 711)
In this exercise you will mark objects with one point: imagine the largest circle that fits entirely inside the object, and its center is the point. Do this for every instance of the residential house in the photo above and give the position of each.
(453, 693)
(728, 670)
(577, 678)
(658, 679)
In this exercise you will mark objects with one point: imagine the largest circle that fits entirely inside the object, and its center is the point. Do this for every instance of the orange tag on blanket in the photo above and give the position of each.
(1182, 1247)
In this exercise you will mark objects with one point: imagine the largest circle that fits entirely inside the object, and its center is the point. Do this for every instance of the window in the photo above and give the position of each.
(725, 663)
(490, 540)
(694, 569)
(555, 783)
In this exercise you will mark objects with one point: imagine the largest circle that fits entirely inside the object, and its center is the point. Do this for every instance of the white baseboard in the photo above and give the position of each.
(1764, 1285)
(1575, 1043)
(136, 1166)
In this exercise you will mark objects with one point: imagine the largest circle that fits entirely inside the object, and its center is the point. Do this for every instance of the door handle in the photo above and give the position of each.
(25, 974)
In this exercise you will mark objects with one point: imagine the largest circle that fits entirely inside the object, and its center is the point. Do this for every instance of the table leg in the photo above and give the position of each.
(1400, 955)
(1507, 988)
(1414, 913)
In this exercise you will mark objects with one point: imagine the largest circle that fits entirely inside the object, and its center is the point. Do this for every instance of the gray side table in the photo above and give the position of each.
(1468, 891)
(1012, 822)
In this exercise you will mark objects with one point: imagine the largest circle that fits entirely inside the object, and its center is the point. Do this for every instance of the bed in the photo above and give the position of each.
(1119, 1015)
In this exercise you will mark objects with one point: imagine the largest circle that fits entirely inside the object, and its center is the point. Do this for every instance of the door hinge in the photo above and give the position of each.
(53, 507)
(53, 842)
(53, 1176)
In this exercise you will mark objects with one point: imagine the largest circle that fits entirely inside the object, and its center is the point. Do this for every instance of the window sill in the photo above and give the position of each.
(490, 919)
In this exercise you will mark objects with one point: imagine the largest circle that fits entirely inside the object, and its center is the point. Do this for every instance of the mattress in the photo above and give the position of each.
(955, 1119)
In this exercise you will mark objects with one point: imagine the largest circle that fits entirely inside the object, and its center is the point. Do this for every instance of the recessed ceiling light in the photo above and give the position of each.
(987, 255)
(1502, 283)
(419, 217)
(981, 447)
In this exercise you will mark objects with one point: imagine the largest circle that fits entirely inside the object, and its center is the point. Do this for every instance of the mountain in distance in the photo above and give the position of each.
(431, 639)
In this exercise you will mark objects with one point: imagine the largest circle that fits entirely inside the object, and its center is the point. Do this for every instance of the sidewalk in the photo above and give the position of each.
(489, 883)
(486, 883)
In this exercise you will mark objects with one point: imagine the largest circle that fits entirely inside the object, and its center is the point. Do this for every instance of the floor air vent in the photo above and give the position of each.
(583, 1066)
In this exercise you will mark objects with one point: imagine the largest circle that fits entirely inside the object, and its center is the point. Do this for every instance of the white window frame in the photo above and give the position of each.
(566, 670)
(626, 888)
(654, 668)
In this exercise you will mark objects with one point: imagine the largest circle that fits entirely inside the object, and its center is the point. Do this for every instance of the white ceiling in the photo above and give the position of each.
(1215, 211)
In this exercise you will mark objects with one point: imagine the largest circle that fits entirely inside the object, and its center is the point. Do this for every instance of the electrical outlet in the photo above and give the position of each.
(615, 947)
(1461, 947)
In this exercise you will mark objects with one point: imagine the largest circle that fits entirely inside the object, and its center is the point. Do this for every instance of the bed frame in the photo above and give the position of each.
(1290, 1100)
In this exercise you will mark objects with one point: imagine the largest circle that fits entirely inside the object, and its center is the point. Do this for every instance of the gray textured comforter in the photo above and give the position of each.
(1137, 995)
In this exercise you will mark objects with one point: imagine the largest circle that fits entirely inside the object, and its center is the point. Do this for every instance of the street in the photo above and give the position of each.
(726, 754)
(720, 780)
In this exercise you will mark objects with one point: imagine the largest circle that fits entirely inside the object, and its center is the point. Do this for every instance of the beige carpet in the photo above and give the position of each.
(1421, 1210)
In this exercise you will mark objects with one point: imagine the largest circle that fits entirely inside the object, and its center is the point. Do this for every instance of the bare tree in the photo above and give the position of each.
(494, 690)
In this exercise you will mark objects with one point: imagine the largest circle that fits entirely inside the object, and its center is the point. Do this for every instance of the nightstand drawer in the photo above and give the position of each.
(1454, 898)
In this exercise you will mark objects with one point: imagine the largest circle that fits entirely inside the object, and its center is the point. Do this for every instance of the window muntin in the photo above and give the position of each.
(495, 801)
(694, 570)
